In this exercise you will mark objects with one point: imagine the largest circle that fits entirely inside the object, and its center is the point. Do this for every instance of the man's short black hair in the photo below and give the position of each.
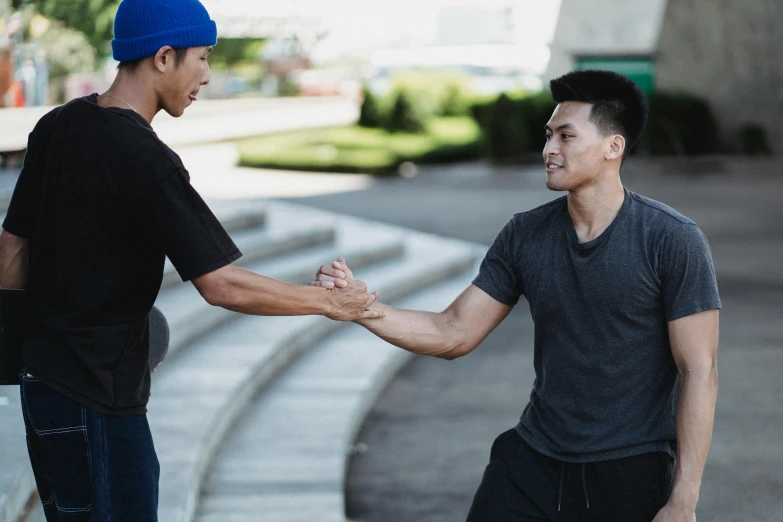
(619, 105)
(179, 56)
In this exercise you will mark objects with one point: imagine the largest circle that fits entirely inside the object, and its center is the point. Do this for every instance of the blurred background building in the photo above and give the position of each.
(724, 52)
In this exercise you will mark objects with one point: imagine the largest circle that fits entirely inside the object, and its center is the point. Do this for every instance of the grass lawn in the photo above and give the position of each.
(361, 150)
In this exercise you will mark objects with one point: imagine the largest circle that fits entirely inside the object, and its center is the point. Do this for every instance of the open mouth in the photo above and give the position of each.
(553, 166)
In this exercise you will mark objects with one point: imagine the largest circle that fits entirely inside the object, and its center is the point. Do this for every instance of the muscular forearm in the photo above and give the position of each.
(695, 416)
(423, 333)
(249, 293)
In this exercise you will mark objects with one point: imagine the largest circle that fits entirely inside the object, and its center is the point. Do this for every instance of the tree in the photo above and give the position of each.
(404, 116)
(93, 18)
(370, 112)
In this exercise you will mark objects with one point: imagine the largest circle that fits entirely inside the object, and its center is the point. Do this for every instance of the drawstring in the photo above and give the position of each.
(584, 487)
(562, 481)
(560, 494)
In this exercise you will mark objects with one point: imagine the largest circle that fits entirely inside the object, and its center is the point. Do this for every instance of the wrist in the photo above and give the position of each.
(324, 302)
(685, 497)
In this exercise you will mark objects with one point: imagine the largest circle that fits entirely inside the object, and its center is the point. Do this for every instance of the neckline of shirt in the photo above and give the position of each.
(92, 99)
(589, 246)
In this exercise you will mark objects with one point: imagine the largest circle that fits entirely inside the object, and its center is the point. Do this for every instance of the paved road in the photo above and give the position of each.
(428, 438)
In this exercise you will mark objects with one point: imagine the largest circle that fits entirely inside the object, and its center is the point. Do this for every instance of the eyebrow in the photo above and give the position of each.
(210, 49)
(560, 127)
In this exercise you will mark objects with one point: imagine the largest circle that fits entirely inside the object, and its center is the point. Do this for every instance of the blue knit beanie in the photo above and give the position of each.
(142, 27)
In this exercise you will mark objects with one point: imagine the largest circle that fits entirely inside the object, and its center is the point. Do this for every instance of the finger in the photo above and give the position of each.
(373, 314)
(338, 265)
(331, 272)
(339, 283)
(371, 300)
(322, 284)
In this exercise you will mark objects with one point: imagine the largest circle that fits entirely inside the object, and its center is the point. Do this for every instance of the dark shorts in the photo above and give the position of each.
(521, 485)
(89, 466)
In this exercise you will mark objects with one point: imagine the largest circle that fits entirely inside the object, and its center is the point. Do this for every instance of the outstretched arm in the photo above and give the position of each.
(694, 345)
(449, 334)
(243, 291)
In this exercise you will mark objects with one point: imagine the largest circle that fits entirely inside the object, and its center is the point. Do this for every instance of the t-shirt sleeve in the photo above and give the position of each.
(687, 274)
(19, 219)
(175, 215)
(499, 273)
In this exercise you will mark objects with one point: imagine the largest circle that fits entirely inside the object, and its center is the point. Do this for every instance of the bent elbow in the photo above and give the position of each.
(455, 351)
(215, 289)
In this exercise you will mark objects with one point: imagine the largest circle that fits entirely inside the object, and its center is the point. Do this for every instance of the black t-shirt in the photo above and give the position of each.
(606, 382)
(103, 201)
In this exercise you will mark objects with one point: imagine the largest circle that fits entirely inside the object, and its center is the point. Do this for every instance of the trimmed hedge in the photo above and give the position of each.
(680, 124)
(513, 126)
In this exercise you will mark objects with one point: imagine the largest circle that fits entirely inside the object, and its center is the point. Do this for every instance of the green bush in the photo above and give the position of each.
(680, 124)
(753, 140)
(404, 116)
(370, 112)
(513, 125)
(437, 92)
(504, 134)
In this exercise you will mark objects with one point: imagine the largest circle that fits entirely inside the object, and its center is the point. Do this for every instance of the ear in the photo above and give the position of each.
(616, 148)
(164, 58)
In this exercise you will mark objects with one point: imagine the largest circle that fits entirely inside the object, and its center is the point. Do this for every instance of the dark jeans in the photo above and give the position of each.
(522, 485)
(89, 467)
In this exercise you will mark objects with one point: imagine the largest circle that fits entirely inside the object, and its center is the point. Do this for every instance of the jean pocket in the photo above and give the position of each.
(48, 410)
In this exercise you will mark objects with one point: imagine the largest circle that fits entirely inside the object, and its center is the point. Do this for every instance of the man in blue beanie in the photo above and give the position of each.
(99, 204)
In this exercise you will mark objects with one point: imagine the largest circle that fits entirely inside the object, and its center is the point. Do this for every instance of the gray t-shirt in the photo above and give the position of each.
(606, 382)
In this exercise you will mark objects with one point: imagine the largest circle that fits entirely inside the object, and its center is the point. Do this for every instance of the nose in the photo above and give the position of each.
(551, 148)
(205, 77)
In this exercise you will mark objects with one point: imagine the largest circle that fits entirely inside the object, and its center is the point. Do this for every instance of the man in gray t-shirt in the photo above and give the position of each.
(624, 299)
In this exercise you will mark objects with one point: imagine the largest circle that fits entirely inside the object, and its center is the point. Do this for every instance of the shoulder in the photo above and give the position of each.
(44, 125)
(545, 210)
(657, 211)
(537, 215)
(524, 224)
(664, 225)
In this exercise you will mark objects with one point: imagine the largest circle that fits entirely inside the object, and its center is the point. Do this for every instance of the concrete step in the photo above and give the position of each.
(190, 317)
(287, 458)
(198, 398)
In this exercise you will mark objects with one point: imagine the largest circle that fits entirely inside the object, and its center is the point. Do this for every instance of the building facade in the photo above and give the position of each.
(724, 51)
(729, 53)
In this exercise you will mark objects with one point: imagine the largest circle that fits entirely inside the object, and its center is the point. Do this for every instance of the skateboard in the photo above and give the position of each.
(159, 338)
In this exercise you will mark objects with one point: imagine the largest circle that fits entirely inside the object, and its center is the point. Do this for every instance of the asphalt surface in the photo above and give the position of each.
(428, 438)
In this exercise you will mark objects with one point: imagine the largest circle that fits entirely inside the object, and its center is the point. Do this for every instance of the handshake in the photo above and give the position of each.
(349, 297)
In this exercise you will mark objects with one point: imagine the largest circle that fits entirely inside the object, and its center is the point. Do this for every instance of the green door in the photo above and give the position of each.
(639, 69)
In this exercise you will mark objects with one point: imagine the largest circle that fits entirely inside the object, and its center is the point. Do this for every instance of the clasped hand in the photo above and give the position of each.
(353, 302)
